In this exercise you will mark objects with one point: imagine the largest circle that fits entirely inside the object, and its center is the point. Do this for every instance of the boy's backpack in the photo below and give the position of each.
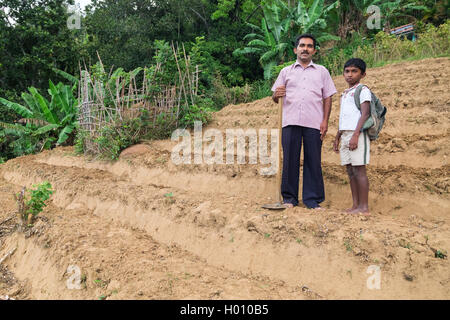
(377, 116)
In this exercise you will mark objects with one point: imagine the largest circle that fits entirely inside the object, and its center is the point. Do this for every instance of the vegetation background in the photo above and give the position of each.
(239, 45)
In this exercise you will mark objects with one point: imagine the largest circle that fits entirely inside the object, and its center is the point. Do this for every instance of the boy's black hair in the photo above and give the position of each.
(306, 35)
(356, 62)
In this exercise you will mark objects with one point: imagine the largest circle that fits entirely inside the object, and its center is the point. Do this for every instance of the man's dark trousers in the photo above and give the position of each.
(313, 188)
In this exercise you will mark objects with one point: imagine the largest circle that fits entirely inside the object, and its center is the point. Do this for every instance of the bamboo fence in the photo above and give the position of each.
(104, 104)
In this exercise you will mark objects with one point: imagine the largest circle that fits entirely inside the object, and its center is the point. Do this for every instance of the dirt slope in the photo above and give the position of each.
(145, 228)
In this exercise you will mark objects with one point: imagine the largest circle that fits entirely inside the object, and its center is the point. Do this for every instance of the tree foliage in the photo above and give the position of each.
(35, 39)
(281, 24)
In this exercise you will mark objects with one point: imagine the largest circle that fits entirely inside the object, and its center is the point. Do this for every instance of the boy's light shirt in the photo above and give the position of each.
(349, 114)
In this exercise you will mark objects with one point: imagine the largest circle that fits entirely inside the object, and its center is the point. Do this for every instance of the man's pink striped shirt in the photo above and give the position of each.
(305, 90)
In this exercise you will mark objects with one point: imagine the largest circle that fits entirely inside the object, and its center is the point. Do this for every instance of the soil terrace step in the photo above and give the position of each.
(245, 181)
(230, 237)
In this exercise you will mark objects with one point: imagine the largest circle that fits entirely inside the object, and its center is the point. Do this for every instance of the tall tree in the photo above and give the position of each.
(123, 31)
(35, 39)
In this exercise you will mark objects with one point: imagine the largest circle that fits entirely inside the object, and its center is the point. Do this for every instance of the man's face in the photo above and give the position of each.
(305, 49)
(353, 75)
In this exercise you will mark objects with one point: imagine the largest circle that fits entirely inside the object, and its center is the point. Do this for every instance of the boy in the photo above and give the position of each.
(355, 145)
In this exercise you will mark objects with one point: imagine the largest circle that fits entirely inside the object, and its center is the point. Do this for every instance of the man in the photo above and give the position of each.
(307, 89)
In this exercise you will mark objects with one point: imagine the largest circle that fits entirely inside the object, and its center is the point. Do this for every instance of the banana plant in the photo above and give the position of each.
(58, 115)
(312, 19)
(22, 140)
(270, 41)
(281, 24)
(107, 85)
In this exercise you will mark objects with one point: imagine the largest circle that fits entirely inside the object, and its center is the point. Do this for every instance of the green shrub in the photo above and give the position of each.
(108, 142)
(222, 95)
(194, 113)
(112, 139)
(80, 140)
(38, 196)
(164, 125)
(260, 89)
(433, 42)
(32, 204)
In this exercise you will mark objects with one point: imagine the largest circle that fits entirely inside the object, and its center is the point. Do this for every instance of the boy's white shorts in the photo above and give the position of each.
(358, 157)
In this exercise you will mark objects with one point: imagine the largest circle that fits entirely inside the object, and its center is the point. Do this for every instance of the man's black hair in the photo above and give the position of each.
(356, 62)
(306, 35)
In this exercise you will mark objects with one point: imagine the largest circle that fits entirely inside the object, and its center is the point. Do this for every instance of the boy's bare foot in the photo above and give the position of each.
(358, 210)
(364, 212)
(288, 205)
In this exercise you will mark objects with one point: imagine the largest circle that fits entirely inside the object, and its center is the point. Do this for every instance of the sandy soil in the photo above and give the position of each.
(145, 228)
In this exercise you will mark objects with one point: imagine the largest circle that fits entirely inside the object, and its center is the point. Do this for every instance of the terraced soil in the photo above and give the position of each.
(145, 228)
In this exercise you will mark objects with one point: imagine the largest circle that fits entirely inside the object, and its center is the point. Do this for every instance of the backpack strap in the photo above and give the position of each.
(357, 96)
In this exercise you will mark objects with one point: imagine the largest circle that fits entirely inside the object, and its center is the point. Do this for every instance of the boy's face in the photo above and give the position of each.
(305, 49)
(353, 75)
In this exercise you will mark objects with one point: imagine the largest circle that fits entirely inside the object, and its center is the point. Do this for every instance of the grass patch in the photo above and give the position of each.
(404, 244)
(168, 198)
(100, 283)
(348, 245)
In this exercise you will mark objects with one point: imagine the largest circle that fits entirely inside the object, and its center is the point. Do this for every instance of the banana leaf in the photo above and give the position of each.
(44, 105)
(57, 97)
(33, 107)
(64, 134)
(23, 111)
(70, 118)
(66, 75)
(45, 129)
(257, 42)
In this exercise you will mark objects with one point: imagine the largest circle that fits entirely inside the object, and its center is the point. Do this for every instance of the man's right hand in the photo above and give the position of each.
(279, 92)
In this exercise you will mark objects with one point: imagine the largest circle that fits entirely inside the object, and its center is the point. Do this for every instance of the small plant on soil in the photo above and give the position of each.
(440, 254)
(101, 283)
(404, 244)
(161, 160)
(33, 204)
(348, 245)
(169, 198)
